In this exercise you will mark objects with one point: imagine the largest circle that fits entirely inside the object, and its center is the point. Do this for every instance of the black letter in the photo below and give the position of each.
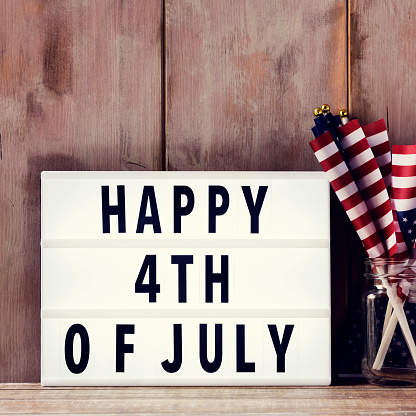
(153, 219)
(119, 209)
(210, 367)
(254, 208)
(213, 210)
(152, 288)
(211, 278)
(178, 210)
(280, 348)
(69, 349)
(175, 365)
(121, 347)
(182, 261)
(242, 366)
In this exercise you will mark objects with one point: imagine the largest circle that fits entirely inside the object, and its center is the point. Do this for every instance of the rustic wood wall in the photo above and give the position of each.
(180, 85)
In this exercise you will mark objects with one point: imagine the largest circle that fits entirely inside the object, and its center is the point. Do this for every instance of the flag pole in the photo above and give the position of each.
(318, 111)
(344, 116)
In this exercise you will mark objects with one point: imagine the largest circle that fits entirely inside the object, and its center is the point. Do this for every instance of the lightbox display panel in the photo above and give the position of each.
(185, 278)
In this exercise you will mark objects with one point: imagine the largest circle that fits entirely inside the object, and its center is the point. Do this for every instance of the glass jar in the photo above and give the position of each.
(389, 312)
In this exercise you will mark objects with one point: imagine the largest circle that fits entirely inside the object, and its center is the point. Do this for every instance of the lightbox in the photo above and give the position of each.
(185, 278)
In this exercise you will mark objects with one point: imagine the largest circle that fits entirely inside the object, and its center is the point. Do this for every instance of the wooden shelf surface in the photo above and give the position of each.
(354, 399)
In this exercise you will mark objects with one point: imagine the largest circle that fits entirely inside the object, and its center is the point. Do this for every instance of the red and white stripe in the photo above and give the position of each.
(403, 191)
(364, 169)
(333, 164)
(378, 140)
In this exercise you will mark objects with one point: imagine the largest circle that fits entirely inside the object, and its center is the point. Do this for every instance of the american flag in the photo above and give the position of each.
(403, 191)
(333, 164)
(366, 173)
(378, 140)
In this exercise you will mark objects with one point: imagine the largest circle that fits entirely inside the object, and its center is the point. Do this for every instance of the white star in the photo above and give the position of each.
(414, 222)
(350, 341)
(409, 231)
(412, 321)
(399, 343)
(407, 311)
(404, 354)
(404, 219)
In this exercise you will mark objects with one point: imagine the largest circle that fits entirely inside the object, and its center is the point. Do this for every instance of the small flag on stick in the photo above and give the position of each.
(364, 169)
(341, 180)
(378, 140)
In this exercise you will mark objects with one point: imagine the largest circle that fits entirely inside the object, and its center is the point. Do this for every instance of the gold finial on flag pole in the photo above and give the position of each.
(325, 108)
(344, 116)
(317, 111)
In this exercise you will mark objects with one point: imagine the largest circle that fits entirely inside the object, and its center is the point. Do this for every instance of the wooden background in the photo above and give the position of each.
(181, 85)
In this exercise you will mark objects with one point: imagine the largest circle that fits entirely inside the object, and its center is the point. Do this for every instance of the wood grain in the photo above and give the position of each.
(80, 89)
(351, 400)
(383, 58)
(244, 77)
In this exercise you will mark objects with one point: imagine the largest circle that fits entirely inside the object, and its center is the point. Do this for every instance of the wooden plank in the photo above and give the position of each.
(79, 90)
(198, 401)
(242, 80)
(383, 55)
(244, 77)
